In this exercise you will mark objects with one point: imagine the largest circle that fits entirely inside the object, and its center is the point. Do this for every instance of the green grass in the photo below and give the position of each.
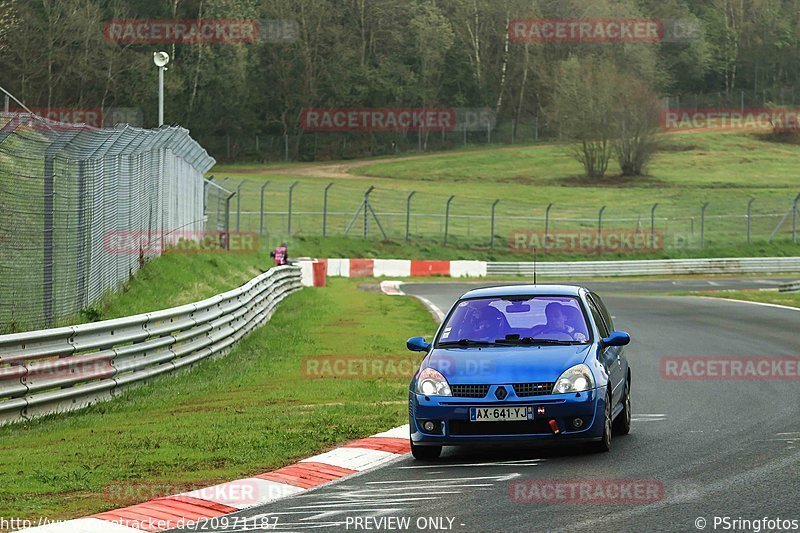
(176, 279)
(244, 414)
(791, 299)
(725, 169)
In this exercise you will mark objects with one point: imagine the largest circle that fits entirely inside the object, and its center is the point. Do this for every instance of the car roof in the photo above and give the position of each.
(523, 290)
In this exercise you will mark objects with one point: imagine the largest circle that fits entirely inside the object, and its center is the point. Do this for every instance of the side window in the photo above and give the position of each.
(603, 311)
(597, 316)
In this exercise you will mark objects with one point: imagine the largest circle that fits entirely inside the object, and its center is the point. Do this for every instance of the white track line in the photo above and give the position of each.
(778, 306)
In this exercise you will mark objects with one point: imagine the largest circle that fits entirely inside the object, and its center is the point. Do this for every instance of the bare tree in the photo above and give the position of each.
(582, 106)
(636, 121)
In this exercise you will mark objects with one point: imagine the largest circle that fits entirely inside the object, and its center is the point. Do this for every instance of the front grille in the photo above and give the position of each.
(533, 389)
(469, 391)
(521, 427)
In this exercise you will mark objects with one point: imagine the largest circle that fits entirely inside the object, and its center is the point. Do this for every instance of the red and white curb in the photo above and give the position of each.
(183, 509)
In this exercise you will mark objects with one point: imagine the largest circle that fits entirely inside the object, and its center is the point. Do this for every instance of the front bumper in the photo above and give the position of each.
(453, 427)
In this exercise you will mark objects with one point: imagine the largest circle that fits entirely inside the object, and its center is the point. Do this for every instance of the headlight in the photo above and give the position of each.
(431, 383)
(576, 379)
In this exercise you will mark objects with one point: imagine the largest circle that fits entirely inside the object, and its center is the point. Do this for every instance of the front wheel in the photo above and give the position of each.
(622, 424)
(604, 444)
(425, 453)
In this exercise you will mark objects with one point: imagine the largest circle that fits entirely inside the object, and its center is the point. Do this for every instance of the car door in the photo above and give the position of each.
(610, 356)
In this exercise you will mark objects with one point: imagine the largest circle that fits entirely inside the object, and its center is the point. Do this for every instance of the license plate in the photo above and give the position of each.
(500, 414)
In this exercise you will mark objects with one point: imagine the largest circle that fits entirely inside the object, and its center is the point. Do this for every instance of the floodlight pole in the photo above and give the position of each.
(160, 96)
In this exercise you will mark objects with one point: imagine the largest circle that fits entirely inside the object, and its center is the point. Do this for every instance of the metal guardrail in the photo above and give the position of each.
(790, 287)
(745, 265)
(67, 368)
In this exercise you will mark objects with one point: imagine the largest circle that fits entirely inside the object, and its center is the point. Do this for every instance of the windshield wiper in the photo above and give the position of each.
(528, 341)
(550, 341)
(466, 342)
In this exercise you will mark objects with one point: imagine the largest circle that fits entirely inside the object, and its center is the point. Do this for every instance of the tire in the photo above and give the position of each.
(604, 444)
(622, 424)
(425, 453)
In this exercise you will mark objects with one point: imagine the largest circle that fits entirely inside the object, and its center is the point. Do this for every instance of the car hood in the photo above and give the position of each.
(506, 364)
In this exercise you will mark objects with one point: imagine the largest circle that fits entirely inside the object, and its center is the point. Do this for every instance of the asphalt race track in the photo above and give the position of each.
(718, 448)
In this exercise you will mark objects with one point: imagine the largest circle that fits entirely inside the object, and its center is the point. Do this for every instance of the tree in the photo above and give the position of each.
(636, 119)
(582, 105)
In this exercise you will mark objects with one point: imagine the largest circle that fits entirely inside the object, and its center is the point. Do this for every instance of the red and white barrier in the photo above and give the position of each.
(404, 268)
(312, 271)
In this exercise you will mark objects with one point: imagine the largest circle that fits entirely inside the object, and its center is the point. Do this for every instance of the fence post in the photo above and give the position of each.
(285, 146)
(289, 224)
(547, 223)
(491, 240)
(749, 203)
(239, 203)
(794, 219)
(653, 225)
(261, 219)
(600, 226)
(703, 226)
(408, 213)
(447, 218)
(219, 200)
(366, 209)
(325, 210)
(205, 193)
(228, 220)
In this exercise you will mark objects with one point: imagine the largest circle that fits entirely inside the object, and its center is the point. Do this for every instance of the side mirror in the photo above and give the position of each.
(616, 338)
(418, 344)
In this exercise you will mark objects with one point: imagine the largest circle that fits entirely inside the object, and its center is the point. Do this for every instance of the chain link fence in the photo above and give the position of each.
(280, 209)
(75, 204)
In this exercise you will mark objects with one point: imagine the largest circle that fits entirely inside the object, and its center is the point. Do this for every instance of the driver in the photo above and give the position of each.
(488, 322)
(556, 327)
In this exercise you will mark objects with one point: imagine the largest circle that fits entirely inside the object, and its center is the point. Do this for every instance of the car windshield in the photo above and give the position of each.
(516, 320)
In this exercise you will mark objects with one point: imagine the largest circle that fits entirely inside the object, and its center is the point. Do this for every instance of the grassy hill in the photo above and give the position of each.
(723, 168)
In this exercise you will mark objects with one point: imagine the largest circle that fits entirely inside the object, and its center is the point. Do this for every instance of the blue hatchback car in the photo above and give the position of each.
(524, 363)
